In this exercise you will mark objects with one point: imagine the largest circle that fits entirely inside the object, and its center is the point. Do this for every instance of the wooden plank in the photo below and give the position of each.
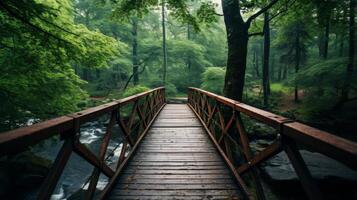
(199, 167)
(176, 159)
(176, 181)
(177, 150)
(217, 197)
(149, 186)
(174, 192)
(176, 172)
(165, 163)
(112, 181)
(173, 176)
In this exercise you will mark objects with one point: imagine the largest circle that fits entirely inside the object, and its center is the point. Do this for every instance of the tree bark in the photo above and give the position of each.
(351, 52)
(237, 38)
(135, 63)
(266, 59)
(189, 63)
(164, 43)
(256, 63)
(297, 63)
(326, 37)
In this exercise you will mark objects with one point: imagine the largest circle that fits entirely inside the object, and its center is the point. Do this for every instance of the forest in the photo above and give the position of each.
(295, 58)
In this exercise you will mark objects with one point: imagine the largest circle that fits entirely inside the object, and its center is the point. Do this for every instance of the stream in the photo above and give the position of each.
(77, 170)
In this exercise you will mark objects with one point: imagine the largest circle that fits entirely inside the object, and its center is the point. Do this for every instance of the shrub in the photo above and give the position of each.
(135, 90)
(213, 79)
(170, 90)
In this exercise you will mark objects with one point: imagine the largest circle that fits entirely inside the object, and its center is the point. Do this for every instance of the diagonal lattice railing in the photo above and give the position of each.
(133, 115)
(223, 120)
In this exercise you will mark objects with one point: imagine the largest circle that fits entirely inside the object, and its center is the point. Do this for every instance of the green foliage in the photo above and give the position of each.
(179, 9)
(323, 83)
(213, 79)
(135, 90)
(40, 45)
(170, 90)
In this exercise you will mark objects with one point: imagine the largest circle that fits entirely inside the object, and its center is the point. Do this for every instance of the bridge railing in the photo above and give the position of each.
(223, 120)
(133, 115)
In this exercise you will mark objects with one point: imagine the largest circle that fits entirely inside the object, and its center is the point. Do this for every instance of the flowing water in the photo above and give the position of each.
(78, 171)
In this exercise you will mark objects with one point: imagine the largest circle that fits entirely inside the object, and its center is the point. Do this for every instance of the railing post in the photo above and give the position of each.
(50, 182)
(303, 173)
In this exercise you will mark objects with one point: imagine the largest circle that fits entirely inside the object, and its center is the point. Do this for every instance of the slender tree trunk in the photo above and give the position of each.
(189, 63)
(237, 38)
(326, 37)
(324, 16)
(351, 52)
(266, 31)
(135, 63)
(297, 63)
(341, 46)
(285, 72)
(280, 71)
(273, 71)
(256, 62)
(164, 43)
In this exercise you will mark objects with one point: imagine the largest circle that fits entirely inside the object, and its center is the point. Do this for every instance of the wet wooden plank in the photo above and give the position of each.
(174, 192)
(176, 172)
(176, 160)
(217, 197)
(150, 186)
(175, 181)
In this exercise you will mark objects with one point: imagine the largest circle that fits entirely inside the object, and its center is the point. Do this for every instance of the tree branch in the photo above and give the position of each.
(255, 34)
(282, 11)
(261, 11)
(23, 20)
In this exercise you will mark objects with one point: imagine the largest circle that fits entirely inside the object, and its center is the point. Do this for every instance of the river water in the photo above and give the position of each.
(78, 171)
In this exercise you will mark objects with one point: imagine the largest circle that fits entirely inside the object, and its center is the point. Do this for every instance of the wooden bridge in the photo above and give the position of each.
(198, 150)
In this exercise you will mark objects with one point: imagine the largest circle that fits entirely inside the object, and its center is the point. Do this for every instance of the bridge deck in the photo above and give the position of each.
(176, 160)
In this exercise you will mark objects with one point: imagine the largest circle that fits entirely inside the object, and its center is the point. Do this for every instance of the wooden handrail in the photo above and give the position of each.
(16, 140)
(68, 128)
(207, 106)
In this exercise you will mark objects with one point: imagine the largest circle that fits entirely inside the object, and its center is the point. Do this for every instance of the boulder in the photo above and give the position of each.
(21, 174)
(336, 180)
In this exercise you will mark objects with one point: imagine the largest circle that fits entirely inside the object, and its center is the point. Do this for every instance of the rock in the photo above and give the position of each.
(21, 174)
(259, 130)
(334, 178)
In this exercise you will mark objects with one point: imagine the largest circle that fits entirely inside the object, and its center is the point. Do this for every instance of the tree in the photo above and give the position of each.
(39, 45)
(351, 52)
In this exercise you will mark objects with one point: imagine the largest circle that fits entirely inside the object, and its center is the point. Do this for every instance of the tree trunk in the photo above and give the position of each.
(341, 46)
(164, 43)
(324, 24)
(237, 38)
(189, 63)
(266, 31)
(280, 71)
(134, 34)
(351, 52)
(326, 37)
(271, 74)
(285, 72)
(297, 63)
(256, 62)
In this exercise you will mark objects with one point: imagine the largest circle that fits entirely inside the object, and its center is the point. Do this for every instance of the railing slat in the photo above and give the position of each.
(317, 140)
(56, 170)
(307, 182)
